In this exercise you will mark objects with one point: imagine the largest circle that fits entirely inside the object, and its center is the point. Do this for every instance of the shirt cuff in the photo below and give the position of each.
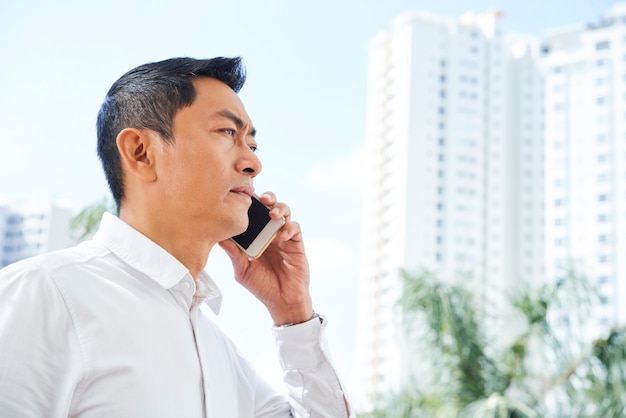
(301, 346)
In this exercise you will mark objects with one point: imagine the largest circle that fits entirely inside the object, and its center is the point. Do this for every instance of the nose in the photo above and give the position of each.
(250, 164)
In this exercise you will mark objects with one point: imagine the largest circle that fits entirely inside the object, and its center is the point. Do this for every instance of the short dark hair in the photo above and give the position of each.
(148, 97)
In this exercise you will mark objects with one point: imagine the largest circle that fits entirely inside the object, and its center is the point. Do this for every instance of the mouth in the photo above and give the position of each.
(245, 190)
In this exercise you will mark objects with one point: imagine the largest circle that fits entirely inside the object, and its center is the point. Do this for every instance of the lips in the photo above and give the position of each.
(246, 190)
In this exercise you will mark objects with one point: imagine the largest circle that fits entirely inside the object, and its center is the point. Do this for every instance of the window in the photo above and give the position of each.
(602, 45)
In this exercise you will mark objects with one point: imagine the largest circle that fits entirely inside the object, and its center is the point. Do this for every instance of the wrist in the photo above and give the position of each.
(293, 317)
(315, 315)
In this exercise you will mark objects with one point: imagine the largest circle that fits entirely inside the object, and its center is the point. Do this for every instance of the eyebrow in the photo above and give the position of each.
(236, 120)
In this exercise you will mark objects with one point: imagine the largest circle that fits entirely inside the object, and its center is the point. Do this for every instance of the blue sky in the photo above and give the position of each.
(305, 93)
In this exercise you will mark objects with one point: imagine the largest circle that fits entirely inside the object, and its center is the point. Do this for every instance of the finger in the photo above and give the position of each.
(280, 210)
(232, 250)
(268, 199)
(291, 231)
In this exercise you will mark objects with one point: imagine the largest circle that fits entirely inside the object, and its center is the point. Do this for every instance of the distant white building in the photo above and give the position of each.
(31, 226)
(453, 126)
(494, 159)
(585, 156)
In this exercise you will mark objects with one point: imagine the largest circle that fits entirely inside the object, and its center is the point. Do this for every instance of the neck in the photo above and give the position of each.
(178, 239)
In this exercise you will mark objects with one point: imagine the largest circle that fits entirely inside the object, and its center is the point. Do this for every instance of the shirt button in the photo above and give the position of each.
(339, 392)
(185, 285)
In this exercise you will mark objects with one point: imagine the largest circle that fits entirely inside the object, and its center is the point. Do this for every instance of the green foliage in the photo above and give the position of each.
(548, 368)
(86, 222)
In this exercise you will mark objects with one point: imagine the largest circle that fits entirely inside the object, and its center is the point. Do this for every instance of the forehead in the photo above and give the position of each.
(214, 95)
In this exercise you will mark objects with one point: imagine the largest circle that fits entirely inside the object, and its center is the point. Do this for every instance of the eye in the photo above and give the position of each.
(253, 147)
(229, 132)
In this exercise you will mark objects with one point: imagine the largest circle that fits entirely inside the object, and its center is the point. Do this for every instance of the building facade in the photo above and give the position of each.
(494, 159)
(585, 157)
(32, 226)
(444, 144)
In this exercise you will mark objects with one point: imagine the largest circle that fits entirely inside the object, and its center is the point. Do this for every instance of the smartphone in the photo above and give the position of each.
(261, 230)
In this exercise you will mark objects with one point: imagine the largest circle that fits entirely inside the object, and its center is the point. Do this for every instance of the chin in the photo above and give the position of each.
(241, 226)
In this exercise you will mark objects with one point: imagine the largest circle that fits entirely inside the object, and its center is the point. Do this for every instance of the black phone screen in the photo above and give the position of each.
(258, 216)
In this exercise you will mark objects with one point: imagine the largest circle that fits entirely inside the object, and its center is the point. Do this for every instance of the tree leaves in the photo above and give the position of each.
(551, 368)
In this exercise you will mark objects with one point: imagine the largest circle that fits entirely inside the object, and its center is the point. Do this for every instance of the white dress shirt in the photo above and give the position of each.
(112, 328)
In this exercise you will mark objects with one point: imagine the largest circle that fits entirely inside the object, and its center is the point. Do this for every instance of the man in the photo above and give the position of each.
(113, 327)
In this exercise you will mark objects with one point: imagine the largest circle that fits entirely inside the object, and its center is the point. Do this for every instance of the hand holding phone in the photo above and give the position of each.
(280, 280)
(261, 230)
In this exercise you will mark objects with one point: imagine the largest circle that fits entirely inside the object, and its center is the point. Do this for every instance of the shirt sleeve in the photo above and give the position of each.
(313, 385)
(40, 362)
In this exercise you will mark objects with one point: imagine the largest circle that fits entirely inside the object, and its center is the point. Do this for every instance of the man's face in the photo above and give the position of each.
(207, 172)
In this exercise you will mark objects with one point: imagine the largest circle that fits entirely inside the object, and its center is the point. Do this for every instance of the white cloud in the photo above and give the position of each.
(344, 174)
(329, 257)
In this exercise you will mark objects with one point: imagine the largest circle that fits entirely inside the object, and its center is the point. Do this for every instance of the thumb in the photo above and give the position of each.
(233, 251)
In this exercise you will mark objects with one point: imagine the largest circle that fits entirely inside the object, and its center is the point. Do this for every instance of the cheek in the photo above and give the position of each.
(197, 172)
(203, 178)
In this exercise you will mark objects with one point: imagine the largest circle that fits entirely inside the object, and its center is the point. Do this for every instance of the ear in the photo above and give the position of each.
(137, 153)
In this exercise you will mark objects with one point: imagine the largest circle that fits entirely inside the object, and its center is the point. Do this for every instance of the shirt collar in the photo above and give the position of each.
(146, 256)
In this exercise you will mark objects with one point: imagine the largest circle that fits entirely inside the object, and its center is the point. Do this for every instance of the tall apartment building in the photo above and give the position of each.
(451, 107)
(585, 156)
(31, 226)
(493, 158)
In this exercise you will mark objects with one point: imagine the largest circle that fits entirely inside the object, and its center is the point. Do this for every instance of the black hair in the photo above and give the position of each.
(148, 97)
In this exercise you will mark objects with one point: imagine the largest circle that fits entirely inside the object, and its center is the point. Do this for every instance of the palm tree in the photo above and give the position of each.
(548, 368)
(86, 222)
